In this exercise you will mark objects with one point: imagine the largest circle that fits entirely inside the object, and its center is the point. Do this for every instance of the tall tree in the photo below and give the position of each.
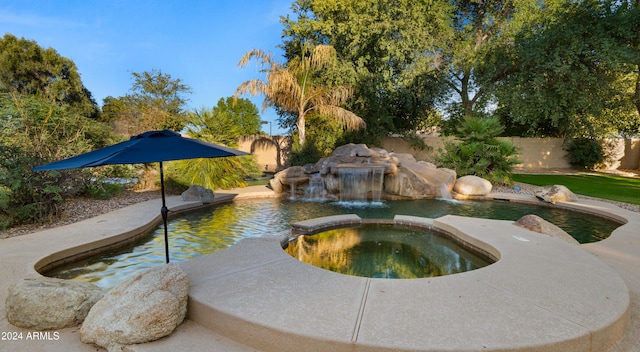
(295, 88)
(26, 69)
(384, 42)
(572, 73)
(157, 100)
(477, 28)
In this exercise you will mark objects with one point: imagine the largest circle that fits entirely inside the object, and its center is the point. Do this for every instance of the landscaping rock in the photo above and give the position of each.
(281, 180)
(47, 303)
(140, 309)
(404, 176)
(198, 193)
(540, 225)
(417, 180)
(557, 193)
(351, 149)
(472, 186)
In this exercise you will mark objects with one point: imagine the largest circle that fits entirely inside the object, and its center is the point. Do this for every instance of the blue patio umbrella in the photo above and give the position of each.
(148, 147)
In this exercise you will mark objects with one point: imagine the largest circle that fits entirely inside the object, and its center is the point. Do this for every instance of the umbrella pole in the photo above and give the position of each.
(164, 211)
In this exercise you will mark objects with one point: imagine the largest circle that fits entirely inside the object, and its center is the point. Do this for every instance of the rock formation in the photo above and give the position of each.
(198, 193)
(540, 225)
(139, 309)
(47, 303)
(557, 193)
(472, 186)
(404, 176)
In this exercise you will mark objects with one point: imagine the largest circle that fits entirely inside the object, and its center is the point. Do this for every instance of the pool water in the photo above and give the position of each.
(212, 229)
(385, 251)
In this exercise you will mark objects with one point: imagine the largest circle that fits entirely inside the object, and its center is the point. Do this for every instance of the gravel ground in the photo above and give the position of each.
(78, 209)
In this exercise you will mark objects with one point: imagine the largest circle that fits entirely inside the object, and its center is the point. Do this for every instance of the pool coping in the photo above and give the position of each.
(295, 306)
(370, 335)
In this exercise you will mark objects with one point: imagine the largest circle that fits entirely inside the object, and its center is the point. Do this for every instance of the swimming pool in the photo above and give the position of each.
(212, 229)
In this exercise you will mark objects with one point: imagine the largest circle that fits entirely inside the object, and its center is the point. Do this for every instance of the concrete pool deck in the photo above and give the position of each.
(255, 297)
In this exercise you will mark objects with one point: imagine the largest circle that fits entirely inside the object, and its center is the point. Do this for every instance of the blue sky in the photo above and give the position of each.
(199, 42)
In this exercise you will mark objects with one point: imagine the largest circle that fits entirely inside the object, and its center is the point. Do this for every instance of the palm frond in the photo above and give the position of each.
(344, 117)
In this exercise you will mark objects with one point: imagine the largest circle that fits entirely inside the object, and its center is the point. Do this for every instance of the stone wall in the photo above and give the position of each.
(271, 152)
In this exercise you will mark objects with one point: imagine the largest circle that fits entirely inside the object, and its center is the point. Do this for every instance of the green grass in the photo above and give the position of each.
(616, 188)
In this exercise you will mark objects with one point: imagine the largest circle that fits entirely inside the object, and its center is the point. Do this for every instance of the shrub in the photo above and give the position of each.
(478, 151)
(585, 153)
(33, 132)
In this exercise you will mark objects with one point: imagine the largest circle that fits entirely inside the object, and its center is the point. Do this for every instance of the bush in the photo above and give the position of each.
(478, 151)
(33, 132)
(306, 154)
(585, 153)
(26, 196)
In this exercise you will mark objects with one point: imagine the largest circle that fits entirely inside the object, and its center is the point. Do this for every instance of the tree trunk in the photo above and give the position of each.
(467, 104)
(637, 92)
(301, 129)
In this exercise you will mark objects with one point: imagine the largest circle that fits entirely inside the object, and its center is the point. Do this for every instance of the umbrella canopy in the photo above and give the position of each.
(148, 147)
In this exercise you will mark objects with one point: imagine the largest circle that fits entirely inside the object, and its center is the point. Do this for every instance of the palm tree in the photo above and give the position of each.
(292, 89)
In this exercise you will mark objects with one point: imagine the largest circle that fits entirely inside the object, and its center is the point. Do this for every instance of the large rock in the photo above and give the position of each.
(351, 149)
(472, 186)
(198, 193)
(418, 180)
(283, 179)
(404, 176)
(557, 193)
(540, 225)
(47, 303)
(139, 309)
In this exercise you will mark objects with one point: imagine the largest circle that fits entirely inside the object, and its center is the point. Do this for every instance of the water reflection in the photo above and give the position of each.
(384, 251)
(210, 230)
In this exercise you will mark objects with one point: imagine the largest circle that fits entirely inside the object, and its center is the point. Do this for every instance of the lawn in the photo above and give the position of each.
(621, 189)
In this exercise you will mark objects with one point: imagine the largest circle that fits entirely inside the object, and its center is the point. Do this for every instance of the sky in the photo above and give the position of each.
(198, 42)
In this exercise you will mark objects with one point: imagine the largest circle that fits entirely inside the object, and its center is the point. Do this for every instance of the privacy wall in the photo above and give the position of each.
(272, 152)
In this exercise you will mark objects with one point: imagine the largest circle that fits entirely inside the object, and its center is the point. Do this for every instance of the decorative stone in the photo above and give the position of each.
(285, 177)
(198, 193)
(351, 149)
(48, 303)
(139, 309)
(404, 176)
(557, 193)
(471, 185)
(540, 225)
(416, 181)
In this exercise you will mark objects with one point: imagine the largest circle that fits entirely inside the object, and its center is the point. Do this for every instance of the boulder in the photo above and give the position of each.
(416, 180)
(140, 309)
(557, 193)
(198, 193)
(351, 149)
(472, 186)
(48, 303)
(284, 177)
(540, 225)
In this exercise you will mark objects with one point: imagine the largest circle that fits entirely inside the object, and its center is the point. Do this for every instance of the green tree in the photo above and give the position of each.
(155, 101)
(381, 47)
(224, 124)
(26, 69)
(294, 88)
(478, 151)
(573, 73)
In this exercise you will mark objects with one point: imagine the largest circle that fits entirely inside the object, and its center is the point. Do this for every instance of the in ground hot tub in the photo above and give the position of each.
(379, 249)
